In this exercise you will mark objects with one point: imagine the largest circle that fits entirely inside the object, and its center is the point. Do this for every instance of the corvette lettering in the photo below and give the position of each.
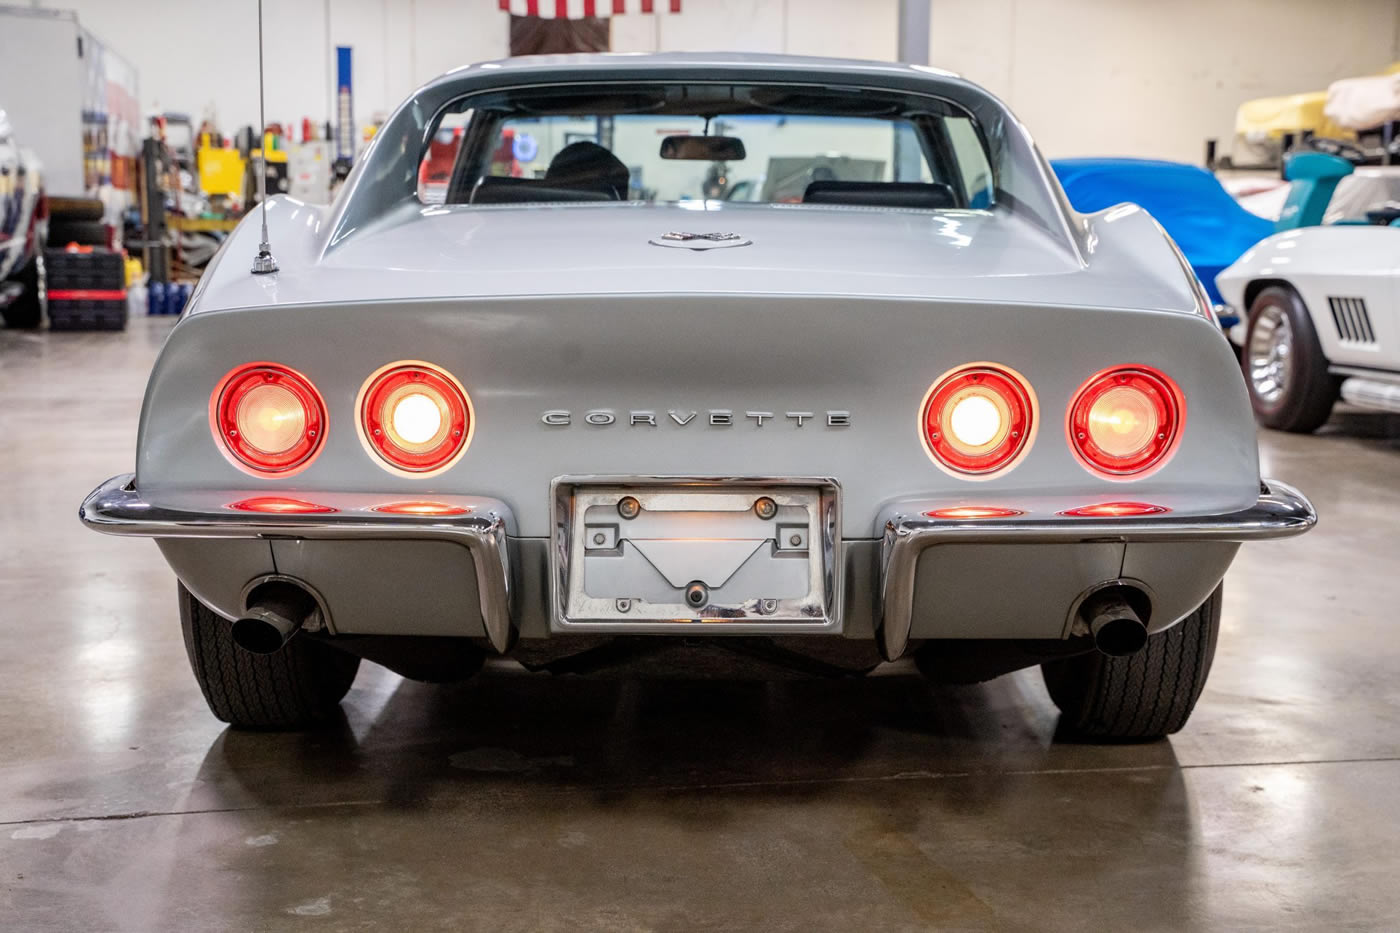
(715, 417)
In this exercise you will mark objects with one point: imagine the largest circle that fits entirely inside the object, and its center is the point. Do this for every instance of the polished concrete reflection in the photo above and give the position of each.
(524, 802)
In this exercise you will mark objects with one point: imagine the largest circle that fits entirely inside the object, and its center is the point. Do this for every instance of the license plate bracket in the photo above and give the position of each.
(672, 554)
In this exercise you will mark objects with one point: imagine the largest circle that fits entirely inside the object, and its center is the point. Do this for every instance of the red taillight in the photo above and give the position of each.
(416, 417)
(974, 511)
(421, 508)
(1116, 510)
(276, 505)
(978, 419)
(269, 418)
(1126, 421)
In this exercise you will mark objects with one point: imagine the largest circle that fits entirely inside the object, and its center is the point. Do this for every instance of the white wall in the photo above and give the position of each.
(1127, 77)
(1149, 78)
(840, 28)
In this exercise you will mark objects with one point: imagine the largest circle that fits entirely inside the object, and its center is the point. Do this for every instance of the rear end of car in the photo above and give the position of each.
(854, 401)
(831, 431)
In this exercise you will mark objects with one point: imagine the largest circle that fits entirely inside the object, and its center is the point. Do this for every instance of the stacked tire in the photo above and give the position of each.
(70, 221)
(76, 220)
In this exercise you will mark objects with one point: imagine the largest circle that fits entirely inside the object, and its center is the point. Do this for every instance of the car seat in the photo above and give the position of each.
(588, 166)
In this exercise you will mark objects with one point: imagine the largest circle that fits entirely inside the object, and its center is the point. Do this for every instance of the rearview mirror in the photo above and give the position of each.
(703, 148)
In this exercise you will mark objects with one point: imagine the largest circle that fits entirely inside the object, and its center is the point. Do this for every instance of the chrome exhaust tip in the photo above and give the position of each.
(1117, 629)
(276, 611)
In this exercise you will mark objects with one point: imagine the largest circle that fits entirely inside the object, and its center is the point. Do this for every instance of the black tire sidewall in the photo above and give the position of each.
(297, 687)
(1105, 698)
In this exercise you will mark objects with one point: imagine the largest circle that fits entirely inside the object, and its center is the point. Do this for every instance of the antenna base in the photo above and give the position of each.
(263, 263)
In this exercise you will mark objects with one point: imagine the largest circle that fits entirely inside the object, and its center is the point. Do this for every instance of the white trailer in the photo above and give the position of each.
(74, 101)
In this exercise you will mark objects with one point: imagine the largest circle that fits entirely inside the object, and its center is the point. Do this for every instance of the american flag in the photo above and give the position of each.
(577, 9)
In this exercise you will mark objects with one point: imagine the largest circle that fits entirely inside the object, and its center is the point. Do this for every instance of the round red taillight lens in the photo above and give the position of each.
(1126, 421)
(269, 418)
(416, 417)
(978, 419)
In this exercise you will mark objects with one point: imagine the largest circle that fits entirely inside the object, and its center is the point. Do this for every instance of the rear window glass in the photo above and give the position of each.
(672, 143)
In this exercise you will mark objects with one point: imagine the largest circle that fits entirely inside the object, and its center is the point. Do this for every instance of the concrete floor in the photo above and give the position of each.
(520, 802)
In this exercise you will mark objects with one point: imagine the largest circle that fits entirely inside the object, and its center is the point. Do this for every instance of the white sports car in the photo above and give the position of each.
(1321, 313)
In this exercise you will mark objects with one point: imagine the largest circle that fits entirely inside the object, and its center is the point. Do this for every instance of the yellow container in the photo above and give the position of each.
(220, 171)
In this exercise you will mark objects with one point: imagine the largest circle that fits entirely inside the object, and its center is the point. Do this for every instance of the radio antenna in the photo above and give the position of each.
(263, 263)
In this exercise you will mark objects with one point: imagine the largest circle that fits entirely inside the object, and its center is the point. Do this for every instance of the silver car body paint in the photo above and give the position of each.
(572, 308)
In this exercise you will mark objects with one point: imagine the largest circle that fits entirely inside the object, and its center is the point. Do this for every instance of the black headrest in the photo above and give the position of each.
(588, 165)
(881, 194)
(502, 190)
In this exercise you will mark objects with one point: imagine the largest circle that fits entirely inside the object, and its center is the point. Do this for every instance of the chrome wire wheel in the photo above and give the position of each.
(1270, 354)
(1290, 385)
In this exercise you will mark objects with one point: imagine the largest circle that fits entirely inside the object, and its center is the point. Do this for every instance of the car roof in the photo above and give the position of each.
(604, 61)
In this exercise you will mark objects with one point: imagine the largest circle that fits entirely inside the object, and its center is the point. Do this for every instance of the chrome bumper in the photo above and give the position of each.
(1280, 512)
(117, 508)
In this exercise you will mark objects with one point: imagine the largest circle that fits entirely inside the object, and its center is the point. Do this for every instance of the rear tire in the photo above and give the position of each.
(1143, 696)
(27, 311)
(297, 686)
(1289, 390)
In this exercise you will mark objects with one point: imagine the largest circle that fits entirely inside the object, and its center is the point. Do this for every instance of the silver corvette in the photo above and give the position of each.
(807, 360)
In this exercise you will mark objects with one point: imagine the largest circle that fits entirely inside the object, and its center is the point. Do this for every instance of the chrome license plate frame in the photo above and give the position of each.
(713, 502)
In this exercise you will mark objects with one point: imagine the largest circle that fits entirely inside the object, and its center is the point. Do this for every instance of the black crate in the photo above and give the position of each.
(87, 291)
(97, 270)
(87, 314)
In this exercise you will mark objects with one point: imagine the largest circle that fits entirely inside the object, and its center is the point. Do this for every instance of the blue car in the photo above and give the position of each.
(1205, 221)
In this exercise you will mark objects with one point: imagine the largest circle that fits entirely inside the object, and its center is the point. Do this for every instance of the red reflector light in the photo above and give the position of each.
(269, 419)
(276, 505)
(421, 508)
(415, 417)
(1116, 510)
(978, 419)
(1126, 421)
(974, 511)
